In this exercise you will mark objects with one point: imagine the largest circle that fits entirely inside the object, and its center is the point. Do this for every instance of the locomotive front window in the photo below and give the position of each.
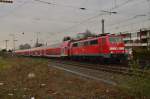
(75, 44)
(93, 42)
(86, 43)
(115, 39)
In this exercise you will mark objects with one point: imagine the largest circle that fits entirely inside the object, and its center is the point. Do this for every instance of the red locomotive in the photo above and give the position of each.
(101, 48)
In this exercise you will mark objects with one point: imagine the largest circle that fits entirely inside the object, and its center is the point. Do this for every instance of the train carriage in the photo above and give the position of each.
(53, 50)
(101, 48)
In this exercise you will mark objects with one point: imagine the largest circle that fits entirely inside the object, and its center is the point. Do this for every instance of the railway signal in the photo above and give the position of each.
(6, 1)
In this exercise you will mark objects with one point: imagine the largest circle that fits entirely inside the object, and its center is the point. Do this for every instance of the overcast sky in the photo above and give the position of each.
(55, 19)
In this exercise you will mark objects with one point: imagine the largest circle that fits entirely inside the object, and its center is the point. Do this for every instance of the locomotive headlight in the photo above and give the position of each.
(116, 48)
(112, 48)
(121, 48)
(111, 52)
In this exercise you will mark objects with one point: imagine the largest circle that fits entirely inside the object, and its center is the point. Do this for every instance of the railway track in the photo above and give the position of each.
(101, 67)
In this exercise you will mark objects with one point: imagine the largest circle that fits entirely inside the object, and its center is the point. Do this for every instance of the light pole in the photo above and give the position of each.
(37, 39)
(6, 43)
(6, 1)
(14, 41)
(103, 26)
(103, 21)
(15, 44)
(31, 41)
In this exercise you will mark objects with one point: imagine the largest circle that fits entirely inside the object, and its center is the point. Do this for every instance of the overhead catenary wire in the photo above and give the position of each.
(76, 7)
(82, 7)
(126, 20)
(119, 24)
(132, 18)
(129, 19)
(14, 9)
(122, 22)
(82, 22)
(6, 1)
(124, 25)
(133, 23)
(122, 4)
(90, 18)
(63, 5)
(87, 20)
(56, 4)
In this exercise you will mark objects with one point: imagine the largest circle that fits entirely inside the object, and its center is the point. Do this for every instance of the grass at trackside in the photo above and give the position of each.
(27, 77)
(48, 83)
(138, 87)
(4, 63)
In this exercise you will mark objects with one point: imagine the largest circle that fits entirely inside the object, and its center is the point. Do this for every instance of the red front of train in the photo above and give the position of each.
(103, 47)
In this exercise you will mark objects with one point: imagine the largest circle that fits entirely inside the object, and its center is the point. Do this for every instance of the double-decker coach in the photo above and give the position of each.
(103, 47)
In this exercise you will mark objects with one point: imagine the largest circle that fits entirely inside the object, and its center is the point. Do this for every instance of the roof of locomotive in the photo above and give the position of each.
(94, 37)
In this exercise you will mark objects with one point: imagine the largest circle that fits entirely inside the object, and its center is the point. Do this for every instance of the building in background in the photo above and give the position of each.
(144, 38)
(139, 39)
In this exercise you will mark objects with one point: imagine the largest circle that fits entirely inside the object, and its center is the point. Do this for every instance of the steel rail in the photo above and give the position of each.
(107, 68)
(84, 75)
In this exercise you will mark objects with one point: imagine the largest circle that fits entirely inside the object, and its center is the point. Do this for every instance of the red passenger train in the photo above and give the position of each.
(101, 48)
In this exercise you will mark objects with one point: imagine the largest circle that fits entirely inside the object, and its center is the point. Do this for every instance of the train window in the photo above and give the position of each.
(93, 42)
(115, 39)
(81, 44)
(86, 43)
(75, 45)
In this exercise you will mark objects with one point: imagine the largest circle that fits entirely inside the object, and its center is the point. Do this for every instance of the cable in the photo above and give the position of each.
(19, 6)
(124, 21)
(134, 23)
(82, 22)
(85, 1)
(82, 8)
(133, 18)
(56, 4)
(124, 3)
(129, 19)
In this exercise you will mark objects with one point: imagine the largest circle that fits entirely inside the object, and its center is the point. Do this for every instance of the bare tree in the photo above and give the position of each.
(85, 34)
(38, 44)
(25, 46)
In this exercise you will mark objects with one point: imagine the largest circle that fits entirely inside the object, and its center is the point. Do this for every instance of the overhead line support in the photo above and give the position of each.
(6, 1)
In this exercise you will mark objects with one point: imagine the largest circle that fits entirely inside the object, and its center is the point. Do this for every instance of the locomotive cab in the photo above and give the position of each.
(116, 45)
(117, 48)
(65, 49)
